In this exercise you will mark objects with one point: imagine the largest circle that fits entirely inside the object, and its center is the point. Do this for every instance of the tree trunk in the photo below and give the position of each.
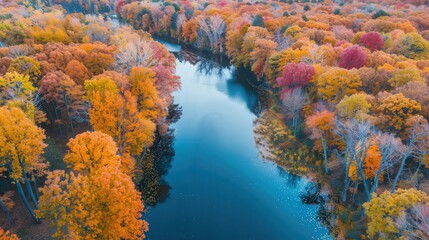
(59, 125)
(36, 190)
(346, 176)
(143, 154)
(294, 125)
(325, 154)
(404, 159)
(30, 190)
(24, 199)
(68, 112)
(365, 184)
(375, 184)
(346, 188)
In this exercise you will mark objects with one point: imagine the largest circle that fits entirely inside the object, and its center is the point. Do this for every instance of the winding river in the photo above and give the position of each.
(220, 187)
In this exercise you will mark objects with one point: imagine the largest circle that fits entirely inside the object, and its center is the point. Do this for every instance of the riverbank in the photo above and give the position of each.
(276, 143)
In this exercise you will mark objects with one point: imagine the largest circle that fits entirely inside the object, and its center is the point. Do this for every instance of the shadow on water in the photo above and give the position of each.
(155, 189)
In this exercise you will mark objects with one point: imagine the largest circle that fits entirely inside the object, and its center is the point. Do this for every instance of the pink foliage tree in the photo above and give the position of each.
(373, 41)
(295, 76)
(352, 57)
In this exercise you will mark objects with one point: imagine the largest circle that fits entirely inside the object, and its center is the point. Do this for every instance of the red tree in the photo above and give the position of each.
(352, 57)
(373, 41)
(295, 76)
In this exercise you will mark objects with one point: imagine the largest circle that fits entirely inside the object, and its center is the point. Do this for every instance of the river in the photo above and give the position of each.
(220, 187)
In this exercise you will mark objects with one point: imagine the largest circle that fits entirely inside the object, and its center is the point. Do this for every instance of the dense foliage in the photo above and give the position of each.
(350, 77)
(64, 75)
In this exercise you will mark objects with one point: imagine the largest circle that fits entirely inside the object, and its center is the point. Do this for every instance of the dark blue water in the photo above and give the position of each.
(220, 188)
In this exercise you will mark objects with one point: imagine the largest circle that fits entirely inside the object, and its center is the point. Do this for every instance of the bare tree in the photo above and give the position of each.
(420, 218)
(417, 144)
(136, 52)
(316, 55)
(292, 103)
(362, 134)
(357, 139)
(19, 51)
(414, 222)
(391, 150)
(345, 130)
(213, 27)
(282, 41)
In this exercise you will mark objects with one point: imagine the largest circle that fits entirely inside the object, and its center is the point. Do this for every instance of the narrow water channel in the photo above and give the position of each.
(220, 188)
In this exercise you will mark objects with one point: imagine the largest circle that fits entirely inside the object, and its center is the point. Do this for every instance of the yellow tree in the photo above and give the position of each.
(20, 154)
(117, 116)
(404, 76)
(142, 81)
(89, 151)
(336, 83)
(27, 66)
(386, 210)
(395, 110)
(16, 90)
(354, 106)
(102, 205)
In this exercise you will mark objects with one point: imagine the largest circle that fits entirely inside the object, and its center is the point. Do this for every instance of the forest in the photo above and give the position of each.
(87, 103)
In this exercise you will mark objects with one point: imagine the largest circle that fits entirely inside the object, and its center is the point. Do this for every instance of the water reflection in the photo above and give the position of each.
(155, 189)
(235, 82)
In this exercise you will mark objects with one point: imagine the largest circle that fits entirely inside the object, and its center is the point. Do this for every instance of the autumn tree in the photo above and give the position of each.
(26, 66)
(381, 157)
(352, 57)
(20, 154)
(248, 44)
(418, 91)
(90, 151)
(355, 106)
(14, 85)
(142, 81)
(6, 235)
(384, 211)
(355, 139)
(78, 72)
(321, 127)
(295, 76)
(395, 110)
(189, 30)
(259, 56)
(403, 76)
(82, 206)
(63, 94)
(116, 115)
(412, 45)
(372, 40)
(336, 83)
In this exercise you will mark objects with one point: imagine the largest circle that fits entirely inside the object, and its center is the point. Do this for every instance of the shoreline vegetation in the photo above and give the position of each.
(346, 106)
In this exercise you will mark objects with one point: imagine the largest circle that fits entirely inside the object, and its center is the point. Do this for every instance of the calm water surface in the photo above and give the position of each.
(220, 188)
